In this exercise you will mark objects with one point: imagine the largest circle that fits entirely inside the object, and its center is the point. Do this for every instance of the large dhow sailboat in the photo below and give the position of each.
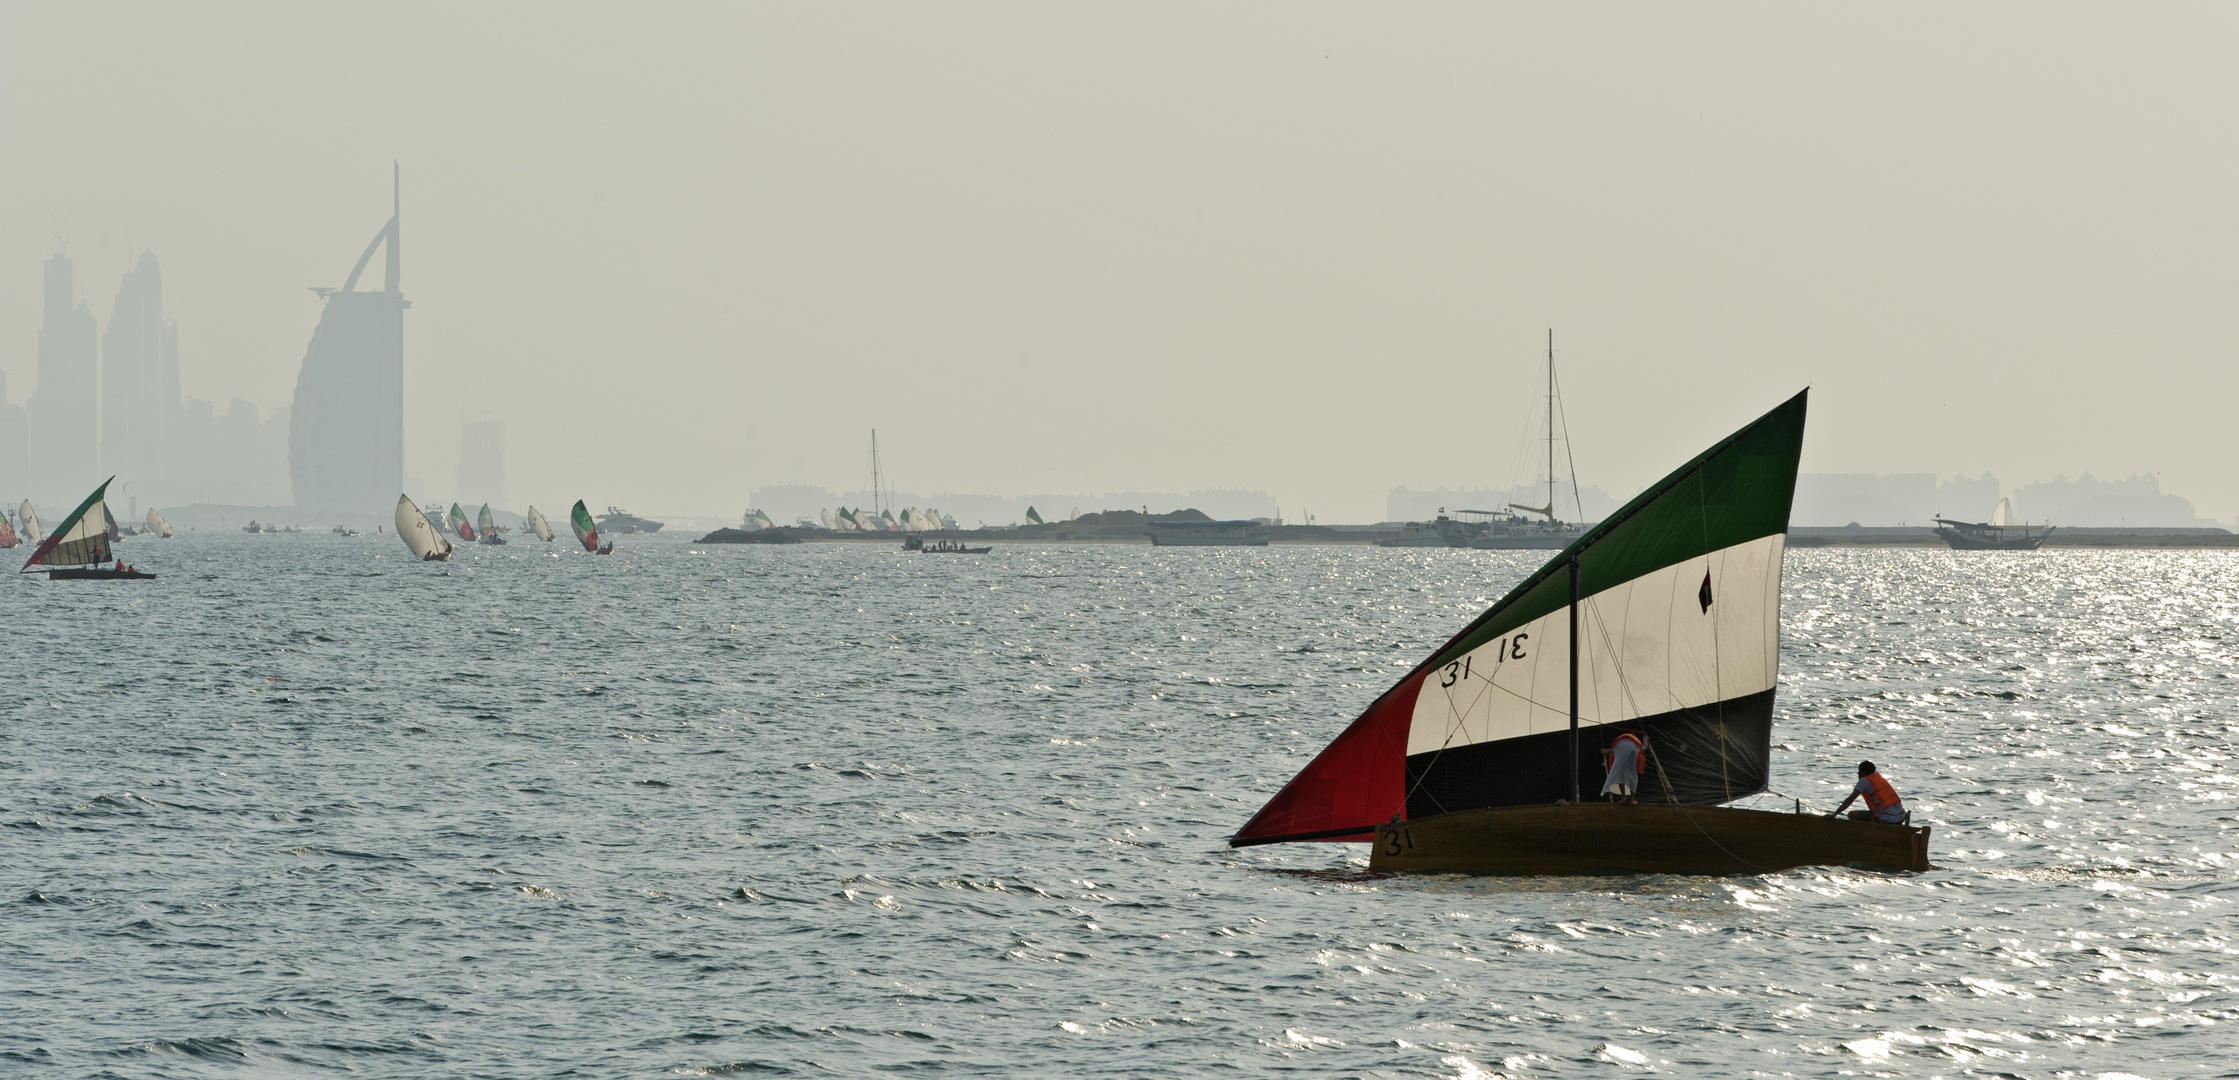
(1662, 622)
(420, 534)
(78, 548)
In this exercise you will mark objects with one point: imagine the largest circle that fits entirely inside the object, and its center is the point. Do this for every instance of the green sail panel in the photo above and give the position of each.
(1678, 640)
(586, 530)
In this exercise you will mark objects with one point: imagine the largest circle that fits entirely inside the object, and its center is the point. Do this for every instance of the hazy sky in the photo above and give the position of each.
(687, 250)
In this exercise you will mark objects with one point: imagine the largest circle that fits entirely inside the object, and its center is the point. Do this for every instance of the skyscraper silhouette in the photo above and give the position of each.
(139, 380)
(65, 422)
(346, 437)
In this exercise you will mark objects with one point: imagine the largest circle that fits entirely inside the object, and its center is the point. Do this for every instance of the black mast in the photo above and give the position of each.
(1574, 678)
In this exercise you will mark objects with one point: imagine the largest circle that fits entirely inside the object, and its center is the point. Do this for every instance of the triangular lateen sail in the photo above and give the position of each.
(28, 520)
(763, 520)
(2004, 514)
(82, 539)
(157, 524)
(539, 526)
(487, 523)
(418, 533)
(1033, 515)
(459, 524)
(586, 530)
(7, 534)
(1485, 720)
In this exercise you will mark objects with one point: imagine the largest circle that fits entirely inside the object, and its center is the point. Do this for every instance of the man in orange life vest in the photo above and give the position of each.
(1622, 763)
(1882, 803)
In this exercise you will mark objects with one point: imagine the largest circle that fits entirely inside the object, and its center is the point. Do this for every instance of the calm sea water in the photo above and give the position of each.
(304, 807)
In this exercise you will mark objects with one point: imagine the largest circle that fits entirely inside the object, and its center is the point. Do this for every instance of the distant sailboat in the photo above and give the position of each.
(761, 520)
(487, 525)
(418, 533)
(7, 534)
(80, 545)
(586, 530)
(27, 520)
(538, 526)
(2001, 533)
(157, 525)
(109, 522)
(459, 525)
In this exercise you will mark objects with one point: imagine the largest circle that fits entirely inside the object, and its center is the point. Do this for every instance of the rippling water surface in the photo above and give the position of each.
(302, 806)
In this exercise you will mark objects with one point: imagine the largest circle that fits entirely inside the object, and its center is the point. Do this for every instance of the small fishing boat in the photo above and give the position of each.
(420, 535)
(1661, 622)
(586, 530)
(459, 525)
(79, 549)
(943, 547)
(252, 527)
(27, 522)
(157, 524)
(539, 526)
(487, 525)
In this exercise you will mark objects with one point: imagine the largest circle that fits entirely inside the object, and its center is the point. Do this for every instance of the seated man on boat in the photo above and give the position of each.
(1622, 761)
(1882, 803)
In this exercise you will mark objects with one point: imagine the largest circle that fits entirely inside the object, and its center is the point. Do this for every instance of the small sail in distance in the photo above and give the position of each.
(538, 526)
(27, 519)
(157, 524)
(459, 525)
(586, 530)
(418, 533)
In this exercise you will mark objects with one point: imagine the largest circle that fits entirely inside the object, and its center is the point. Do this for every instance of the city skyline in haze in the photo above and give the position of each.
(686, 253)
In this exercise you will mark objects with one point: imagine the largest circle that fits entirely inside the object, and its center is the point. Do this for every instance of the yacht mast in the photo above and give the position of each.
(875, 505)
(1551, 423)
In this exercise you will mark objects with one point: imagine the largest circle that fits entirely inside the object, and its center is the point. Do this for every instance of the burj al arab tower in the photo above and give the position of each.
(346, 430)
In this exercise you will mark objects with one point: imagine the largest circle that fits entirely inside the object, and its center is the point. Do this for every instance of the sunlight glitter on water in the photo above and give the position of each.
(837, 810)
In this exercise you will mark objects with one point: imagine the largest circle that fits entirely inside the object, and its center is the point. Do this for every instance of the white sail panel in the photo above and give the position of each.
(2004, 515)
(1646, 647)
(27, 522)
(157, 524)
(539, 526)
(419, 534)
(84, 538)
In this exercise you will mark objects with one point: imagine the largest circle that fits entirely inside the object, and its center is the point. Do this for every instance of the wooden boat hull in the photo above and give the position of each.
(89, 573)
(1647, 838)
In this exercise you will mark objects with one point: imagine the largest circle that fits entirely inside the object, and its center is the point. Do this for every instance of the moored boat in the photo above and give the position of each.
(2000, 533)
(1661, 622)
(618, 520)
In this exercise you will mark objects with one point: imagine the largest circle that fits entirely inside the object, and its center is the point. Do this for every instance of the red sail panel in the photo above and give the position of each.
(1357, 782)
